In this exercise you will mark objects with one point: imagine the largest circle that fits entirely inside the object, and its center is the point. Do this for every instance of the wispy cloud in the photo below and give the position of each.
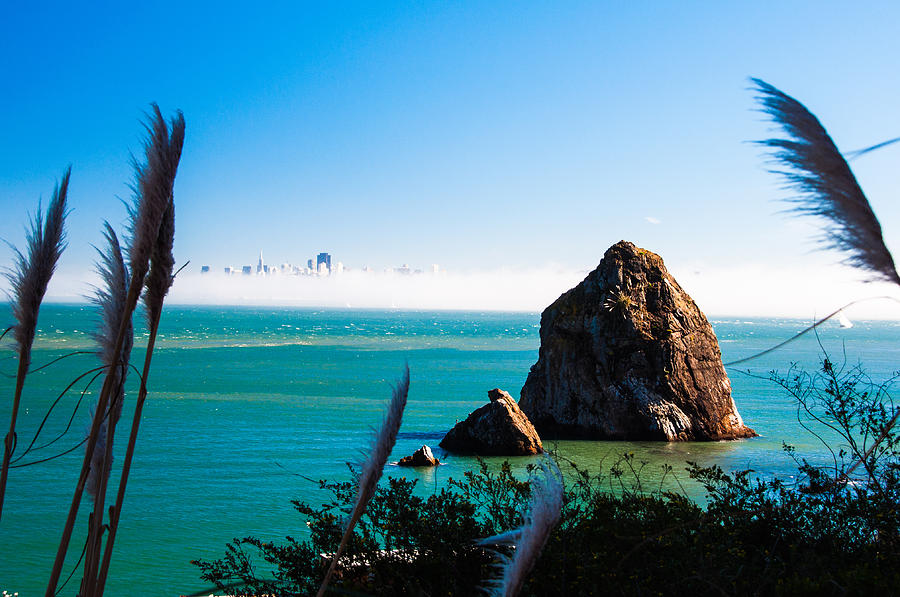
(653, 220)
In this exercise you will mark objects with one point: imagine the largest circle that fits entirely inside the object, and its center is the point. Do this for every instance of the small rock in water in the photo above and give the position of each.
(499, 428)
(421, 457)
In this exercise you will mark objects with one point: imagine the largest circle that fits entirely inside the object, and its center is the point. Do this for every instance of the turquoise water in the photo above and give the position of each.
(246, 403)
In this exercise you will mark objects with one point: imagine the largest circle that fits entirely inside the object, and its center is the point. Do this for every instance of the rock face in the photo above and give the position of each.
(498, 428)
(627, 354)
(421, 457)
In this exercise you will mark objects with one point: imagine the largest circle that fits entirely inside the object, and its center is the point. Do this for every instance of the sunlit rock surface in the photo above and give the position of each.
(628, 355)
(498, 428)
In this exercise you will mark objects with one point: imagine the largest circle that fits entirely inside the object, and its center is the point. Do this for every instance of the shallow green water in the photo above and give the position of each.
(245, 403)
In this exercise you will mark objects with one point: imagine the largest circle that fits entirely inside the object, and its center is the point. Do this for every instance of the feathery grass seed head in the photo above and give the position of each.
(373, 467)
(162, 264)
(381, 448)
(32, 272)
(110, 298)
(825, 185)
(153, 187)
(111, 301)
(530, 538)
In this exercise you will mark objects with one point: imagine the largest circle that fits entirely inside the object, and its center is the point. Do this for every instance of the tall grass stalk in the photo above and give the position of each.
(111, 302)
(159, 281)
(153, 193)
(529, 539)
(373, 467)
(826, 187)
(811, 165)
(29, 280)
(110, 299)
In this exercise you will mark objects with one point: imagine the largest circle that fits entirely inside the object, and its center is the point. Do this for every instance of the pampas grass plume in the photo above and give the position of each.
(825, 185)
(32, 273)
(29, 280)
(152, 238)
(152, 187)
(162, 264)
(827, 188)
(530, 538)
(111, 300)
(374, 465)
(154, 182)
(162, 261)
(381, 449)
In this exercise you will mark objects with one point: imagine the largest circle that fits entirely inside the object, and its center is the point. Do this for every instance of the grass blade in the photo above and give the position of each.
(29, 280)
(530, 538)
(373, 467)
(825, 185)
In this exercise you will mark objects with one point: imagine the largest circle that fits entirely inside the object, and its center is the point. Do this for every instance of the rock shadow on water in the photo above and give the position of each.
(421, 435)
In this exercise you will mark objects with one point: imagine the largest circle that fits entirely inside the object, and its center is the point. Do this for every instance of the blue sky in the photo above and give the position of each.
(478, 136)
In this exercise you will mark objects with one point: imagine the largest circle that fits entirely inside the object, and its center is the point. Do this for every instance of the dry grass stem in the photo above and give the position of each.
(373, 467)
(154, 182)
(162, 264)
(29, 280)
(825, 185)
(158, 281)
(529, 539)
(110, 299)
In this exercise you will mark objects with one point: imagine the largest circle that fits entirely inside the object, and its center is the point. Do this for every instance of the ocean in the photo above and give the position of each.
(247, 405)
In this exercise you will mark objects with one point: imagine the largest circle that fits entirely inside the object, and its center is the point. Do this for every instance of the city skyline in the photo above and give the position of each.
(318, 267)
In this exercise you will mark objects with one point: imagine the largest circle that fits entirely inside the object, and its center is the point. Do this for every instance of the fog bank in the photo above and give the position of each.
(750, 290)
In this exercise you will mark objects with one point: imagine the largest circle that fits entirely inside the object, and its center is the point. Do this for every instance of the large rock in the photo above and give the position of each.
(498, 428)
(627, 354)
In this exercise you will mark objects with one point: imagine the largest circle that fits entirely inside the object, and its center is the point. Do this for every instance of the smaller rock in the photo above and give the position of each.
(499, 428)
(421, 457)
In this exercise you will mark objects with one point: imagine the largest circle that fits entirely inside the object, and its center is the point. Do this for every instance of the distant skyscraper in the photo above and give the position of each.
(260, 268)
(229, 270)
(247, 270)
(204, 269)
(323, 258)
(309, 264)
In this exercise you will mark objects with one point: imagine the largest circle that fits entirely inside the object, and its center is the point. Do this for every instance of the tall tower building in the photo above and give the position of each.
(260, 268)
(323, 258)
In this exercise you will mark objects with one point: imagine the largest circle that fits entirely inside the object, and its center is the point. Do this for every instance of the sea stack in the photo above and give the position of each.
(628, 355)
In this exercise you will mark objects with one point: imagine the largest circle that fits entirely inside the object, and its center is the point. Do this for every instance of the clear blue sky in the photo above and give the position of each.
(465, 134)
